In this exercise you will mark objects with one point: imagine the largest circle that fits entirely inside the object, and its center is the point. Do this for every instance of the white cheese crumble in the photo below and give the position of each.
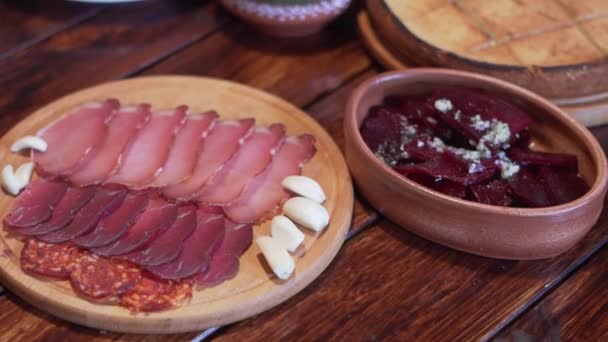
(507, 167)
(479, 124)
(443, 105)
(420, 143)
(457, 115)
(498, 134)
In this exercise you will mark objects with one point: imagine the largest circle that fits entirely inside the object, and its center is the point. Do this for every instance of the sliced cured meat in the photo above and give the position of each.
(74, 138)
(35, 204)
(167, 246)
(103, 279)
(147, 152)
(105, 201)
(222, 142)
(115, 225)
(49, 259)
(158, 216)
(183, 155)
(70, 203)
(152, 294)
(247, 162)
(122, 128)
(224, 263)
(197, 249)
(264, 192)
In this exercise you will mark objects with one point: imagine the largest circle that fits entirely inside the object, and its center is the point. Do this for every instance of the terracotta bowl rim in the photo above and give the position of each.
(598, 157)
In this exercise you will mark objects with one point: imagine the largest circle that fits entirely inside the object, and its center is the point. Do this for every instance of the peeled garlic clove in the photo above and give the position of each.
(304, 186)
(29, 141)
(24, 173)
(307, 213)
(10, 182)
(286, 233)
(276, 255)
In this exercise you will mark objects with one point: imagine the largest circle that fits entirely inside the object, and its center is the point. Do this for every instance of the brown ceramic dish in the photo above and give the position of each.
(286, 20)
(499, 232)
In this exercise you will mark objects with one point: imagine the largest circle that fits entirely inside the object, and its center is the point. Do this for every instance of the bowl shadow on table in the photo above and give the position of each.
(338, 32)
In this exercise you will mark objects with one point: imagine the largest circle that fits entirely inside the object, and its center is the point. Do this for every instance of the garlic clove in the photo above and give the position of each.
(10, 182)
(31, 142)
(304, 186)
(307, 213)
(24, 173)
(286, 233)
(276, 255)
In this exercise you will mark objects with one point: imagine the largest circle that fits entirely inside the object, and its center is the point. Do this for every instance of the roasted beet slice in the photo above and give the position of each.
(527, 157)
(562, 185)
(495, 192)
(446, 165)
(381, 126)
(529, 189)
(450, 188)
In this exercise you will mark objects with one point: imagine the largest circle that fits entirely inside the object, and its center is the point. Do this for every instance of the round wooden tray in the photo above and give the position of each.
(589, 110)
(254, 289)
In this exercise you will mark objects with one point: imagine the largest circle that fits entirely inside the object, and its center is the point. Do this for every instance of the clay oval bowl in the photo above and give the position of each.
(493, 231)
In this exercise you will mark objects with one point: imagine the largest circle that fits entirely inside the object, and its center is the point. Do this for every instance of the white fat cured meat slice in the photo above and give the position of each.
(223, 141)
(251, 159)
(74, 138)
(147, 152)
(183, 155)
(264, 193)
(123, 126)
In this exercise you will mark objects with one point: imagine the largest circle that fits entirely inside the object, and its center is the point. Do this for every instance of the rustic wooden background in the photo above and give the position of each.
(385, 283)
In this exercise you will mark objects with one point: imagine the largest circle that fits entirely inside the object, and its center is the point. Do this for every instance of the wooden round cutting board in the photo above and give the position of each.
(254, 289)
(556, 48)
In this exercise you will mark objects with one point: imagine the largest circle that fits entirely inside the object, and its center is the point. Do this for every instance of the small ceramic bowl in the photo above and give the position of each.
(287, 20)
(493, 231)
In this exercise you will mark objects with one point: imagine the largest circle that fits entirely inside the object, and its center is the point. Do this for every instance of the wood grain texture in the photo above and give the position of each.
(576, 311)
(387, 284)
(25, 23)
(254, 289)
(121, 41)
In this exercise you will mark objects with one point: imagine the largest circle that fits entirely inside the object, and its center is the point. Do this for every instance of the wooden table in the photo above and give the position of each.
(385, 283)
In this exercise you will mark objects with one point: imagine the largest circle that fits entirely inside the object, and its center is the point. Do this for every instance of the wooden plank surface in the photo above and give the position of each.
(576, 311)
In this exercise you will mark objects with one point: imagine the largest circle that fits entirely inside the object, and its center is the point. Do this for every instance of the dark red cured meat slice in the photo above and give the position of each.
(168, 245)
(562, 185)
(151, 294)
(251, 159)
(158, 216)
(35, 204)
(222, 142)
(122, 128)
(183, 155)
(105, 201)
(197, 249)
(264, 193)
(114, 226)
(74, 139)
(476, 102)
(561, 160)
(49, 259)
(224, 263)
(529, 189)
(103, 279)
(495, 192)
(147, 152)
(70, 203)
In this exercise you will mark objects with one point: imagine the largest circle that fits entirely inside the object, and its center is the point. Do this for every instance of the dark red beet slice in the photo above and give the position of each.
(224, 263)
(382, 125)
(116, 224)
(562, 185)
(103, 203)
(529, 189)
(158, 216)
(167, 246)
(526, 157)
(450, 188)
(35, 204)
(197, 250)
(70, 203)
(448, 166)
(495, 192)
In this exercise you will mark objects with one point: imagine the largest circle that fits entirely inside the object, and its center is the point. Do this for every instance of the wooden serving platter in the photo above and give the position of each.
(591, 110)
(254, 289)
